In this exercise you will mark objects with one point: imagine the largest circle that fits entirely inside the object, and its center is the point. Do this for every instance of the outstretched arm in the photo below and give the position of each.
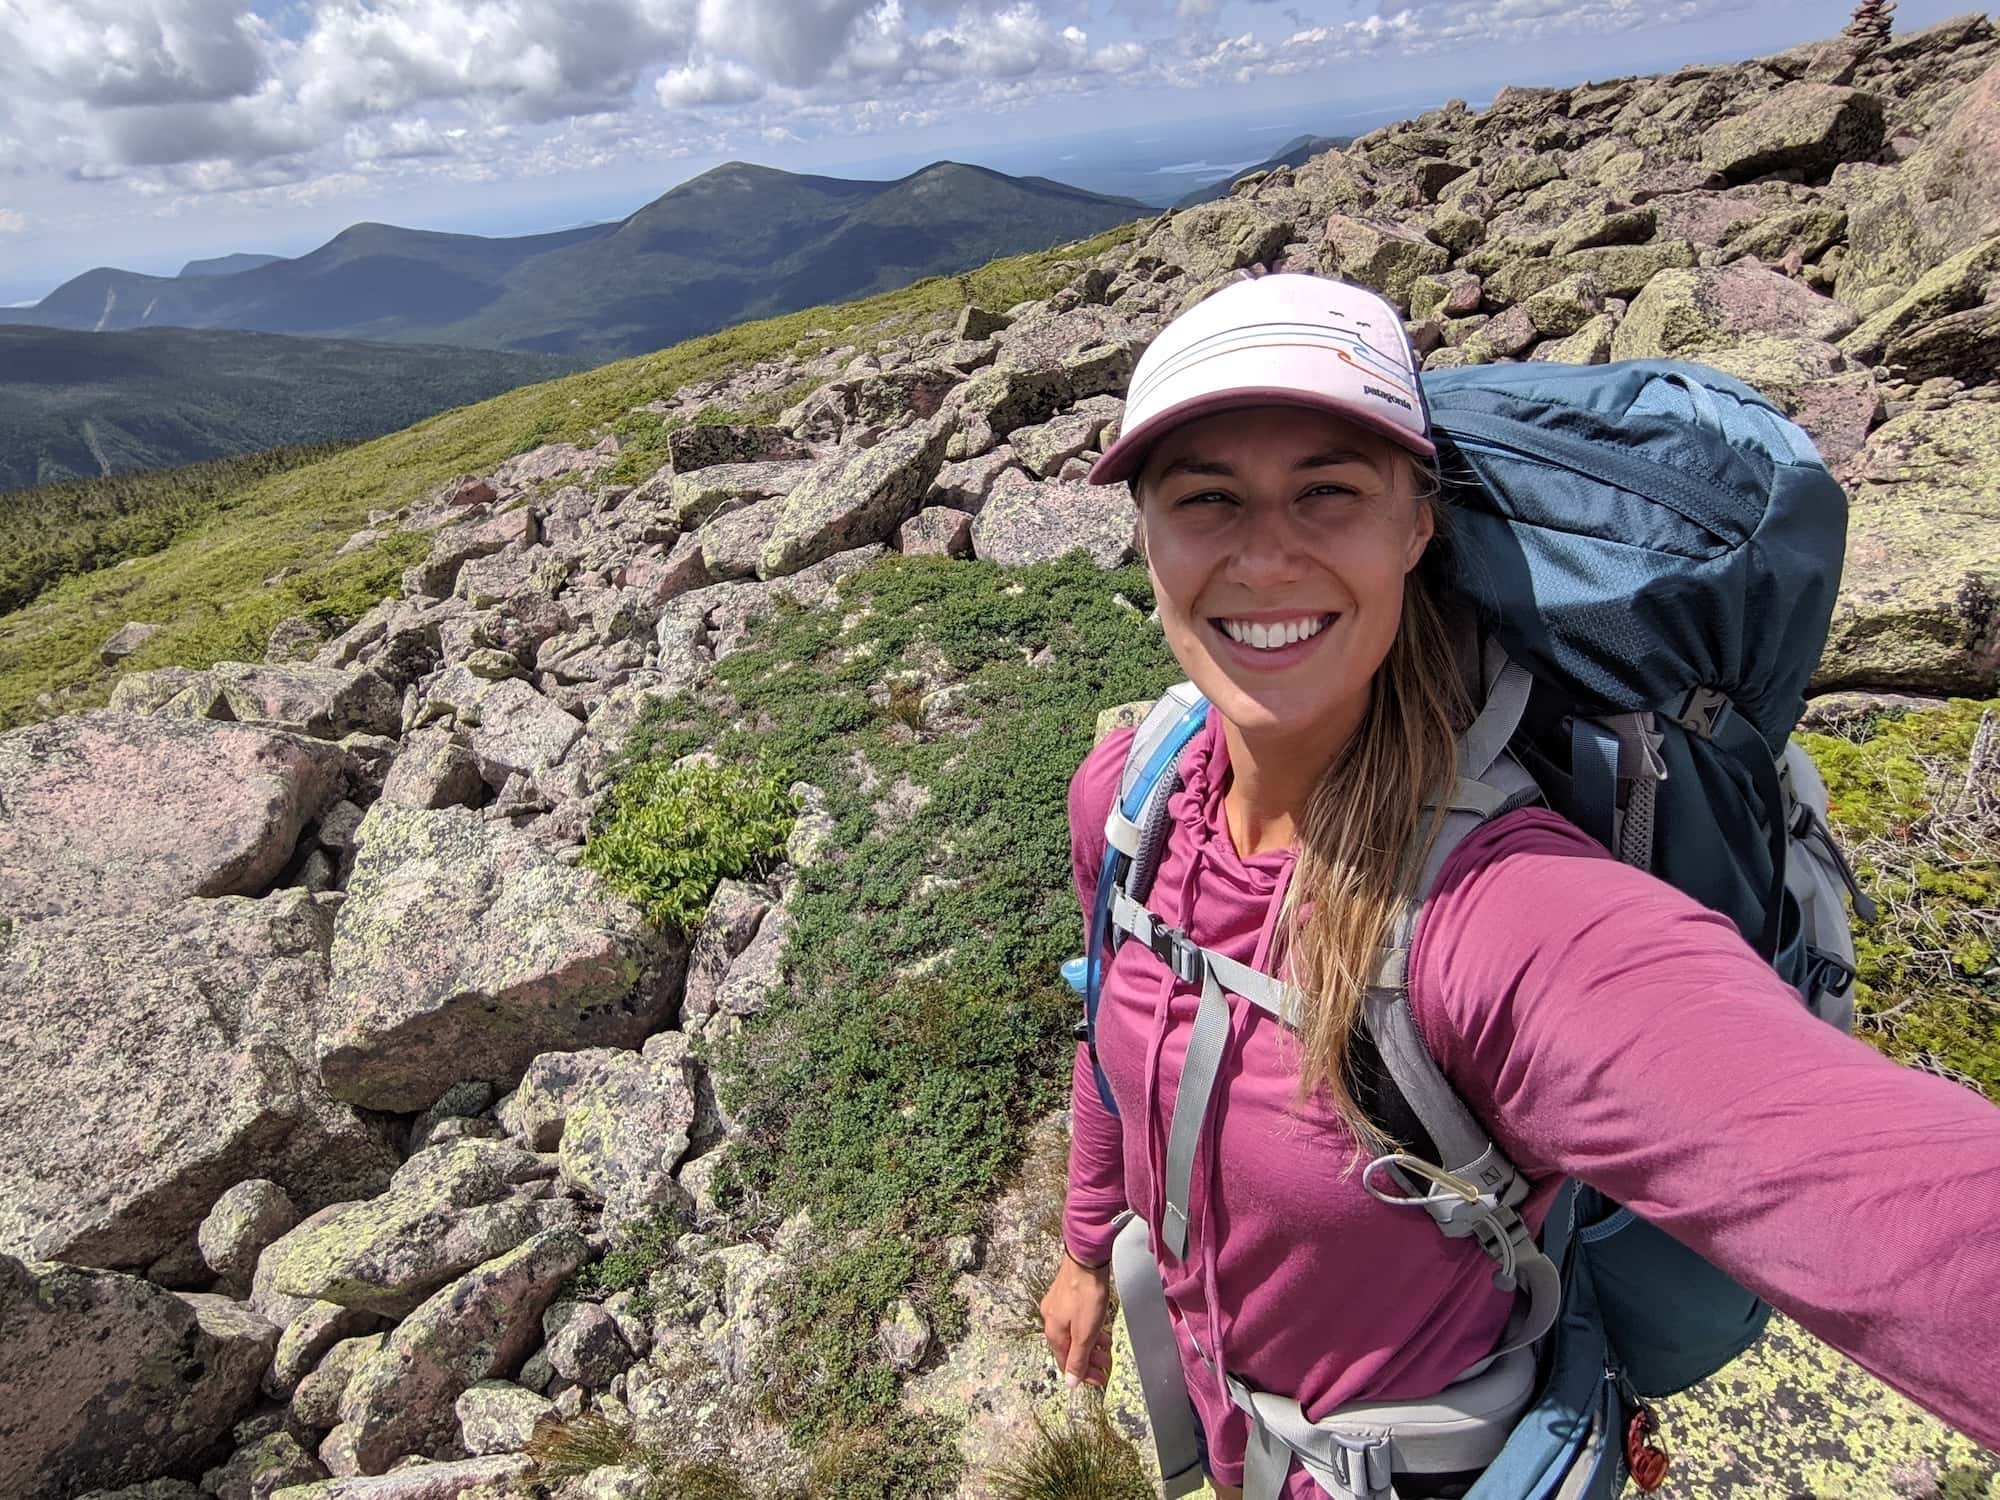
(1609, 1028)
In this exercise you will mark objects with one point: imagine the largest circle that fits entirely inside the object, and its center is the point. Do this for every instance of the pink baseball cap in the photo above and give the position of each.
(1279, 340)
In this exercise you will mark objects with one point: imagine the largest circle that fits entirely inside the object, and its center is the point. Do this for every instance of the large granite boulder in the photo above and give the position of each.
(1804, 127)
(1943, 325)
(1681, 314)
(460, 1479)
(445, 1211)
(1383, 254)
(403, 1399)
(1906, 219)
(1213, 238)
(1919, 605)
(464, 949)
(627, 1127)
(1025, 522)
(853, 500)
(704, 445)
(110, 812)
(149, 1063)
(712, 492)
(112, 1379)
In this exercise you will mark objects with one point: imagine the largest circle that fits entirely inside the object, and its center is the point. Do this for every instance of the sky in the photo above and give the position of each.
(143, 133)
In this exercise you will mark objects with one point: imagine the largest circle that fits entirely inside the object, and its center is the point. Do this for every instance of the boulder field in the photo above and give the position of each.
(324, 1063)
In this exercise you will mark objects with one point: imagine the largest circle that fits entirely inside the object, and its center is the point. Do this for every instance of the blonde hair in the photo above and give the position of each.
(1369, 823)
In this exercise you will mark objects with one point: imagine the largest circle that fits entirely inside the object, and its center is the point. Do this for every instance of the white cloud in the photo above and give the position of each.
(708, 83)
(12, 221)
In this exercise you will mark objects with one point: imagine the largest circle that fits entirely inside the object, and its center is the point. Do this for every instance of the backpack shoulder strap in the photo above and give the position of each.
(1470, 1188)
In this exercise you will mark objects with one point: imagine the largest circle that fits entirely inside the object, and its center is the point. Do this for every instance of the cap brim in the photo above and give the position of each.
(1125, 457)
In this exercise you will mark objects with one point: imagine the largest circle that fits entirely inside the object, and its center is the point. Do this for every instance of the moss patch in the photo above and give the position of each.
(1928, 991)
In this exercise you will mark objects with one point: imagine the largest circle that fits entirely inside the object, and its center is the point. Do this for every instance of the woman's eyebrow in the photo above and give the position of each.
(1336, 458)
(1216, 467)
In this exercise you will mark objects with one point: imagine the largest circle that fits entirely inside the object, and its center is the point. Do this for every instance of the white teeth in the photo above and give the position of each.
(1264, 637)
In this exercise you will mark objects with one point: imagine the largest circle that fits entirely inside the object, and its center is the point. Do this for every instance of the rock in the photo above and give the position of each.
(732, 543)
(1452, 295)
(1215, 238)
(463, 949)
(127, 639)
(852, 500)
(1803, 127)
(1044, 448)
(1838, 413)
(758, 970)
(457, 1102)
(904, 1336)
(705, 445)
(1605, 225)
(731, 921)
(1681, 314)
(101, 1164)
(1560, 310)
(460, 1479)
(585, 1344)
(965, 485)
(316, 1402)
(324, 702)
(257, 1469)
(996, 401)
(306, 1341)
(107, 812)
(455, 546)
(1959, 285)
(497, 1416)
(628, 1128)
(1383, 254)
(401, 1400)
(1589, 345)
(613, 1482)
(445, 1211)
(397, 640)
(1025, 522)
(1963, 345)
(156, 1489)
(976, 322)
(535, 1111)
(1946, 197)
(1624, 270)
(699, 496)
(124, 1380)
(435, 769)
(936, 532)
(244, 1220)
(551, 461)
(1919, 606)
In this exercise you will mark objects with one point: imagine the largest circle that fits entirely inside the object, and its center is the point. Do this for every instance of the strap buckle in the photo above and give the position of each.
(1362, 1465)
(1702, 711)
(1179, 952)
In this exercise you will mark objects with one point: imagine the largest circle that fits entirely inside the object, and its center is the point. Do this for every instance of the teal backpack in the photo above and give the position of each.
(1652, 552)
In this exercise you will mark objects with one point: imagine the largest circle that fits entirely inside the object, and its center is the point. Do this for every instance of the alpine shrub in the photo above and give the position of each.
(668, 835)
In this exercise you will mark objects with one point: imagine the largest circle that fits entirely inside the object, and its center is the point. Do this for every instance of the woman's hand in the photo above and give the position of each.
(1076, 1321)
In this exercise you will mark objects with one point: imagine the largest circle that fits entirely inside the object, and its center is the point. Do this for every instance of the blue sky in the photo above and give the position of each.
(142, 133)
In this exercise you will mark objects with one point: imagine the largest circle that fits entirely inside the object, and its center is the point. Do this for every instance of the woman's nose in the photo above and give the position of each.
(1267, 546)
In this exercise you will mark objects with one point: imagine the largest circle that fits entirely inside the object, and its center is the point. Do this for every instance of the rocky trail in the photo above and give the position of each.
(327, 1065)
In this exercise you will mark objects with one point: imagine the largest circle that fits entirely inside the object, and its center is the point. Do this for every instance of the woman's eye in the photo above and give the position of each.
(1330, 489)
(1205, 497)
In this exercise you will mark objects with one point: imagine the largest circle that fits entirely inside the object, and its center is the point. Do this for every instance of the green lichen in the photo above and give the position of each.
(1928, 991)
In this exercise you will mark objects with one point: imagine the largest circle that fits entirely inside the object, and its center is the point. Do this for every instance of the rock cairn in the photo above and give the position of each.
(1872, 22)
(325, 1065)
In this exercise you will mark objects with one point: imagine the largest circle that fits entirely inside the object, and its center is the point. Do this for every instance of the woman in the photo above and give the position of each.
(1601, 1024)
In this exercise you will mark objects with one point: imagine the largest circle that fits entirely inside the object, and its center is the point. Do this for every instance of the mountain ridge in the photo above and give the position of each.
(738, 241)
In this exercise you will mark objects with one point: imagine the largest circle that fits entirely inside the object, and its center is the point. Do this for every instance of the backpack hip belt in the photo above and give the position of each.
(1354, 1453)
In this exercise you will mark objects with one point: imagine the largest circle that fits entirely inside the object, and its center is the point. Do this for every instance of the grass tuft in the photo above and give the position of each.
(1083, 1458)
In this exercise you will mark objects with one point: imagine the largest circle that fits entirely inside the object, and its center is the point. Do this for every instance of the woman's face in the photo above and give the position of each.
(1278, 540)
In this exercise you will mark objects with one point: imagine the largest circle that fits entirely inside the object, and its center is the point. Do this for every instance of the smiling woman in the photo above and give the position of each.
(1559, 1026)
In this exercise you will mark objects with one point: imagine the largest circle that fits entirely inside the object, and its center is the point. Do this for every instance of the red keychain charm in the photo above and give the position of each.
(1643, 1454)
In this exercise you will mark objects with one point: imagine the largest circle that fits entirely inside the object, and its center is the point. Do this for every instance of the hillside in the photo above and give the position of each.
(593, 865)
(737, 242)
(79, 404)
(226, 265)
(1294, 153)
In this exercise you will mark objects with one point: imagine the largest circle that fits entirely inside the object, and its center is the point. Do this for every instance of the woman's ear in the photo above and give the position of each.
(1421, 532)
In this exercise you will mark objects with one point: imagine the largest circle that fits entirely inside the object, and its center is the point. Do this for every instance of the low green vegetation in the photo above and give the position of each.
(76, 404)
(1083, 1458)
(269, 548)
(668, 835)
(1926, 846)
(54, 531)
(629, 1265)
(941, 707)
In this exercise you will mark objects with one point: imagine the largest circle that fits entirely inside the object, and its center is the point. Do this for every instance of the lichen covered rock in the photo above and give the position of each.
(464, 949)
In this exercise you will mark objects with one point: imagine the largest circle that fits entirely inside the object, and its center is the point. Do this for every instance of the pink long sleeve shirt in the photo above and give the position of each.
(1603, 1026)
